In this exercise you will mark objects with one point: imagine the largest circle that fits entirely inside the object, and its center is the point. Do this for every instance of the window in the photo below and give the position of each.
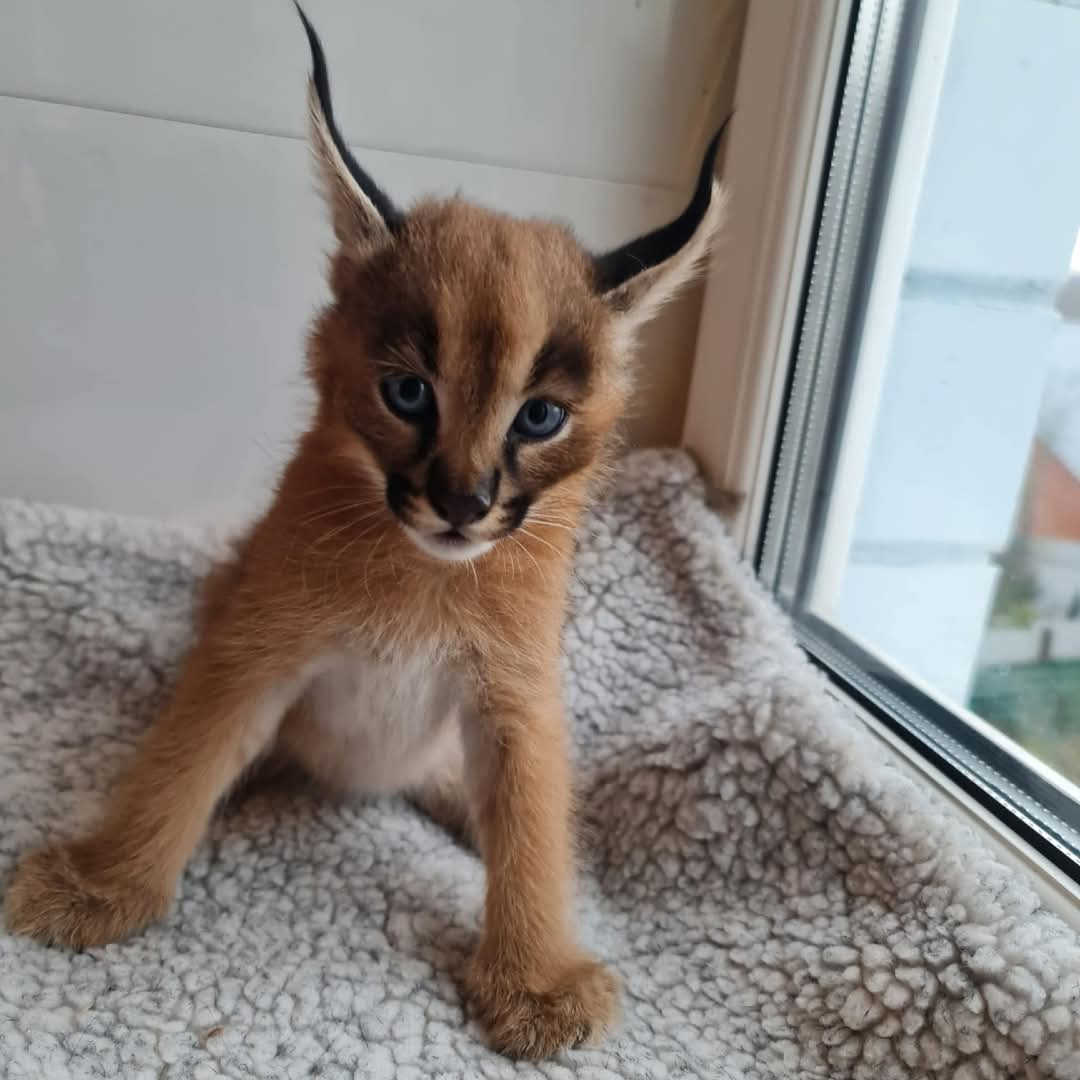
(923, 521)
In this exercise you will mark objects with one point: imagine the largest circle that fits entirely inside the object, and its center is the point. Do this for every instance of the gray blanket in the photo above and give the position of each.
(780, 899)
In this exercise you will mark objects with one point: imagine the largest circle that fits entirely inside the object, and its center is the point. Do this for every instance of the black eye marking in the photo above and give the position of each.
(515, 510)
(426, 430)
(427, 341)
(510, 449)
(437, 482)
(561, 355)
(398, 492)
(538, 418)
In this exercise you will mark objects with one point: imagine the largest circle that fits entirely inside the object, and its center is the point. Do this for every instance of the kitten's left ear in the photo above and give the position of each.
(639, 277)
(360, 211)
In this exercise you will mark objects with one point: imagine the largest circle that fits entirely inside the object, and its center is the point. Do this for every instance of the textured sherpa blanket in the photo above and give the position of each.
(780, 899)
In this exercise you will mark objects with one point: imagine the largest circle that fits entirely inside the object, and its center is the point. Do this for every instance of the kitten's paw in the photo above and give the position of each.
(53, 899)
(579, 1005)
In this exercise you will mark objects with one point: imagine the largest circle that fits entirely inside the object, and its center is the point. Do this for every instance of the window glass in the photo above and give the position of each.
(924, 526)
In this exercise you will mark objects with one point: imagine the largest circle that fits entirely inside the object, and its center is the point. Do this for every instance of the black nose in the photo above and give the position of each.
(459, 507)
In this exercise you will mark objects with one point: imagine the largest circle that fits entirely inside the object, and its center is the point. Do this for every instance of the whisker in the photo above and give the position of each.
(539, 568)
(505, 552)
(320, 540)
(354, 489)
(541, 540)
(335, 509)
(367, 562)
(351, 483)
(552, 524)
(341, 528)
(340, 557)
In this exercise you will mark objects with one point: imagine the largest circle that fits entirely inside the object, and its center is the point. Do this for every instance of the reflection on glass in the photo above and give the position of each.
(1027, 681)
(951, 540)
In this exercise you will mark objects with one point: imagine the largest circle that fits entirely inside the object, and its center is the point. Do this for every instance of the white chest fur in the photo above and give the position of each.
(377, 725)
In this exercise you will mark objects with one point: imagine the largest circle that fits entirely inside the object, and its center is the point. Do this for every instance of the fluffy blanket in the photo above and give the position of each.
(779, 898)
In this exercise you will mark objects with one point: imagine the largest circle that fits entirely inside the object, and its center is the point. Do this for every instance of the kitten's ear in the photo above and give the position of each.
(641, 276)
(360, 211)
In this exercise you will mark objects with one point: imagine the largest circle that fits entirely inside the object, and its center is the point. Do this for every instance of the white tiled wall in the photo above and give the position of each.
(161, 239)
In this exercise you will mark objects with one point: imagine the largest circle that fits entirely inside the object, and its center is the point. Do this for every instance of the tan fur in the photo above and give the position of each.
(333, 639)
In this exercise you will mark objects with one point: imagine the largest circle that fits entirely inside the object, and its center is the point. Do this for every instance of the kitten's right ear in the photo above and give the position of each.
(360, 211)
(639, 277)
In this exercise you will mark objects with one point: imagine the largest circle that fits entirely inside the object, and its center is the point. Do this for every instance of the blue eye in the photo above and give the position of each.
(539, 418)
(407, 395)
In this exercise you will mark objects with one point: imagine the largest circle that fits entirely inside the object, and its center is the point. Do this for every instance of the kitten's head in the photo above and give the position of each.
(472, 366)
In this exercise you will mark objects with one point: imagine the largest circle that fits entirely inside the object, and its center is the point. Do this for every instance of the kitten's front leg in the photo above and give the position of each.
(104, 886)
(532, 988)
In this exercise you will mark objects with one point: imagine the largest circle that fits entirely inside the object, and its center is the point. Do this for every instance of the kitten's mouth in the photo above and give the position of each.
(450, 545)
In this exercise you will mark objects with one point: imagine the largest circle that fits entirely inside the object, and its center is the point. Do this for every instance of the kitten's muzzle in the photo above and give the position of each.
(460, 506)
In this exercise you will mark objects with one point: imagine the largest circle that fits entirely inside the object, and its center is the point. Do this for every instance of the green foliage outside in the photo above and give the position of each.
(1015, 604)
(1038, 705)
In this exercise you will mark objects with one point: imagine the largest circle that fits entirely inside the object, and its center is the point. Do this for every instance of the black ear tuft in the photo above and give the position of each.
(617, 267)
(321, 81)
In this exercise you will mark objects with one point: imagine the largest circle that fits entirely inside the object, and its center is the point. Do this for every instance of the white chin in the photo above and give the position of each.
(448, 550)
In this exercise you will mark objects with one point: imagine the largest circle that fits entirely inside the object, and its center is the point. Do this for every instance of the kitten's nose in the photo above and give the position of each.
(459, 508)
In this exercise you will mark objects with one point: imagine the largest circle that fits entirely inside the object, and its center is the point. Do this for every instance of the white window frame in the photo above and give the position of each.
(789, 68)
